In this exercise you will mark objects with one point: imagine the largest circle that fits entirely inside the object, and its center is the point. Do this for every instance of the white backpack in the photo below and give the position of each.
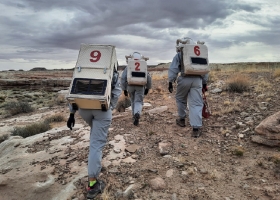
(194, 59)
(137, 71)
(91, 84)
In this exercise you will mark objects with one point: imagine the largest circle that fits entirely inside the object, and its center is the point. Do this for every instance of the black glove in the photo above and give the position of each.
(71, 121)
(204, 88)
(146, 91)
(125, 93)
(170, 87)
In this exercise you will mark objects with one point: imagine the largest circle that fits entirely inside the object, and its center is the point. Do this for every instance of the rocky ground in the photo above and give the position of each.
(157, 159)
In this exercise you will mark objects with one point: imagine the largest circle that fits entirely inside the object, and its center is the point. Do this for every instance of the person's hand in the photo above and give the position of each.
(170, 87)
(71, 121)
(125, 93)
(204, 88)
(146, 91)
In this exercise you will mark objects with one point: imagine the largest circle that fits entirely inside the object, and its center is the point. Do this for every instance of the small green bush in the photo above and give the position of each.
(32, 129)
(37, 128)
(15, 107)
(238, 151)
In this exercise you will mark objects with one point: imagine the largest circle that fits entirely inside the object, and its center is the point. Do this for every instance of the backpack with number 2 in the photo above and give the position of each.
(136, 69)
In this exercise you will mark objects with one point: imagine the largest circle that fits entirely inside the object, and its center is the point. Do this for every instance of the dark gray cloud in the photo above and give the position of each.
(42, 28)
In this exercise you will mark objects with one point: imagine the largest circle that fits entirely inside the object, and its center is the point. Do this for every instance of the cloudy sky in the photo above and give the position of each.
(48, 33)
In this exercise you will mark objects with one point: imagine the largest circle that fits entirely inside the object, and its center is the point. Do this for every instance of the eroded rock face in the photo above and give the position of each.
(35, 84)
(268, 131)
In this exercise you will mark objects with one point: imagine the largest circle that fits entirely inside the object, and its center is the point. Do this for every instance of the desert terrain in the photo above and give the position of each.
(155, 160)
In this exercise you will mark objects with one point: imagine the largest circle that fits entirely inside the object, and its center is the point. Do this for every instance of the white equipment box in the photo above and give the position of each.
(91, 83)
(194, 59)
(137, 72)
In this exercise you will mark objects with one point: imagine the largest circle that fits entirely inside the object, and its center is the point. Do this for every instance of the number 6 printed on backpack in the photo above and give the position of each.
(196, 50)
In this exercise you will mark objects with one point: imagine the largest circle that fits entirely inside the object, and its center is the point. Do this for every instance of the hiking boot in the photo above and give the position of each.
(181, 122)
(196, 133)
(136, 119)
(95, 190)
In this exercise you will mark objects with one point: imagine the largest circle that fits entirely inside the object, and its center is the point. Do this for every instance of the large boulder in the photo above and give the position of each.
(268, 131)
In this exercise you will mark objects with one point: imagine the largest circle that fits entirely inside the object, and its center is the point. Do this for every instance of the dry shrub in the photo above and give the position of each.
(158, 90)
(160, 76)
(212, 77)
(238, 151)
(55, 118)
(262, 85)
(37, 128)
(276, 73)
(238, 83)
(275, 158)
(106, 194)
(31, 130)
(229, 107)
(15, 107)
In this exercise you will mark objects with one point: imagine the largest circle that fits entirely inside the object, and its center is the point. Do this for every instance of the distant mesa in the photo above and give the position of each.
(38, 69)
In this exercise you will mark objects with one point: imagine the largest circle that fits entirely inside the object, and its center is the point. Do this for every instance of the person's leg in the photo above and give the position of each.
(138, 100)
(138, 103)
(183, 86)
(195, 103)
(98, 138)
(86, 115)
(131, 91)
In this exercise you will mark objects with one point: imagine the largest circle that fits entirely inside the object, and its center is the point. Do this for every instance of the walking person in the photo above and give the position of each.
(99, 122)
(189, 91)
(136, 82)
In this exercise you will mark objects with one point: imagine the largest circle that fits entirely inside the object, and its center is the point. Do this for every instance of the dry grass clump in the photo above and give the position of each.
(262, 85)
(37, 128)
(160, 76)
(276, 73)
(106, 194)
(228, 107)
(15, 107)
(238, 151)
(238, 83)
(275, 158)
(31, 130)
(55, 118)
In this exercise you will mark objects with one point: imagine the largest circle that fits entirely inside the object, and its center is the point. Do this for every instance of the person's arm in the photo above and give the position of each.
(115, 94)
(148, 85)
(204, 82)
(174, 69)
(124, 79)
(124, 82)
(149, 82)
(205, 78)
(71, 119)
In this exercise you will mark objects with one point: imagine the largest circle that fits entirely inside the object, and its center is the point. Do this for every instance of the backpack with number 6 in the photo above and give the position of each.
(194, 57)
(94, 76)
(136, 69)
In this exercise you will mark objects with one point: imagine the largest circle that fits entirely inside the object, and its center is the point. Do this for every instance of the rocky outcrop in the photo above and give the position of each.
(36, 84)
(268, 131)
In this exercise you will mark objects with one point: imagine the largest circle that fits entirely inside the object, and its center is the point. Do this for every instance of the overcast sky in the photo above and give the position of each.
(48, 33)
